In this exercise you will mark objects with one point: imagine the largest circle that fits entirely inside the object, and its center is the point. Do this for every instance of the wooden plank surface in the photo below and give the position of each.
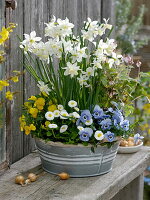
(14, 138)
(126, 168)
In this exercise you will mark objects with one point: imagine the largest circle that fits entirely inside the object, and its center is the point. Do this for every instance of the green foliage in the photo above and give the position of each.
(128, 26)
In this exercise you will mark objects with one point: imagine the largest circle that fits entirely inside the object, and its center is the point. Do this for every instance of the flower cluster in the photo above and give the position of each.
(47, 119)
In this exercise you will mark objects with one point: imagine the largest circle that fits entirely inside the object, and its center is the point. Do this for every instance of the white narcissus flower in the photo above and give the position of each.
(78, 53)
(65, 27)
(60, 107)
(49, 115)
(43, 87)
(31, 38)
(106, 25)
(52, 126)
(64, 114)
(99, 135)
(63, 128)
(71, 69)
(80, 128)
(83, 80)
(56, 113)
(97, 63)
(89, 71)
(89, 122)
(76, 115)
(72, 103)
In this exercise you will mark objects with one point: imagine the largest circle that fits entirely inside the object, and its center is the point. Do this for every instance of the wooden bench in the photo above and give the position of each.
(124, 182)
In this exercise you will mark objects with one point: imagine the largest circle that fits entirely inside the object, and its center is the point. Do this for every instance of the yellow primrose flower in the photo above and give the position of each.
(149, 131)
(3, 83)
(9, 95)
(47, 123)
(52, 108)
(33, 112)
(27, 130)
(32, 127)
(15, 79)
(32, 98)
(39, 103)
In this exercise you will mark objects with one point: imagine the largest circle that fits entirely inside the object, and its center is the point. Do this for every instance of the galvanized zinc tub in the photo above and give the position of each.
(76, 160)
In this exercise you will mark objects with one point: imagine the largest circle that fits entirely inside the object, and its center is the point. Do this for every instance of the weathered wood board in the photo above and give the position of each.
(127, 169)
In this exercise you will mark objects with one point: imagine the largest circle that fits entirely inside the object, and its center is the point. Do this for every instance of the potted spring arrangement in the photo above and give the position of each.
(78, 117)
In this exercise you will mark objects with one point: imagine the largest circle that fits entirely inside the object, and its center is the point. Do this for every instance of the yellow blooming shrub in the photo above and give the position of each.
(4, 35)
(9, 95)
(3, 83)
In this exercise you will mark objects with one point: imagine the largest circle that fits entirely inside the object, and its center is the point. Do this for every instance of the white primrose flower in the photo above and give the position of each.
(63, 128)
(89, 122)
(72, 103)
(60, 107)
(99, 135)
(76, 115)
(43, 87)
(52, 126)
(49, 115)
(80, 128)
(71, 69)
(64, 114)
(56, 113)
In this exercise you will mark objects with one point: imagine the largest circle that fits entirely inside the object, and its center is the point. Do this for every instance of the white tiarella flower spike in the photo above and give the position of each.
(49, 115)
(72, 103)
(63, 128)
(43, 87)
